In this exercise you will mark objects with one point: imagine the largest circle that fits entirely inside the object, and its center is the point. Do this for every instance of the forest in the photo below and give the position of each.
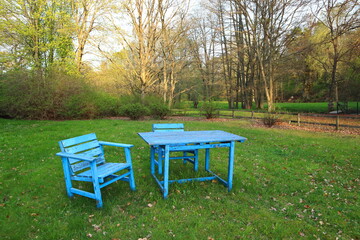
(67, 59)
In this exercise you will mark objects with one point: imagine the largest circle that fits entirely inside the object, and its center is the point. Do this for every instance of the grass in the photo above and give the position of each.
(288, 184)
(318, 107)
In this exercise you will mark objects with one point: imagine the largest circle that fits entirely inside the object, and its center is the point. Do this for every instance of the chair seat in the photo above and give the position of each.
(105, 169)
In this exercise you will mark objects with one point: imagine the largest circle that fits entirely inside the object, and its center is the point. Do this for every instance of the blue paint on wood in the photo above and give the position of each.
(173, 128)
(191, 140)
(189, 137)
(207, 159)
(152, 160)
(193, 147)
(83, 160)
(200, 179)
(166, 171)
(166, 127)
(231, 164)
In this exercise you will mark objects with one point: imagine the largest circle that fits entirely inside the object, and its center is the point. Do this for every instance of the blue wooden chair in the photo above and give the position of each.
(83, 160)
(167, 127)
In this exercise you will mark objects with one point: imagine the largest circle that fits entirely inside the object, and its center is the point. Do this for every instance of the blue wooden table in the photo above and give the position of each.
(191, 140)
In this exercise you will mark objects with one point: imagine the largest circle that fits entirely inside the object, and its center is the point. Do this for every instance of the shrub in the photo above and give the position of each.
(81, 106)
(25, 96)
(107, 105)
(136, 98)
(151, 100)
(159, 110)
(208, 109)
(270, 119)
(134, 111)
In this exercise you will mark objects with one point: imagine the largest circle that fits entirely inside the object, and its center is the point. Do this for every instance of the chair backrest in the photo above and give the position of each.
(87, 145)
(168, 127)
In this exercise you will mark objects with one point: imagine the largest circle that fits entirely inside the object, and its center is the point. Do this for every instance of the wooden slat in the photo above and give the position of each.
(194, 147)
(93, 152)
(116, 144)
(188, 137)
(82, 147)
(83, 193)
(165, 127)
(106, 169)
(96, 152)
(167, 130)
(81, 165)
(124, 177)
(77, 140)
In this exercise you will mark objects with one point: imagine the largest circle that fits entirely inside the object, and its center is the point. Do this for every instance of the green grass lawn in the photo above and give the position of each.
(287, 185)
(318, 107)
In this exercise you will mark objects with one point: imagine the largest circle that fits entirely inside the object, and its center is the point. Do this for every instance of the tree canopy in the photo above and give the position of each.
(56, 52)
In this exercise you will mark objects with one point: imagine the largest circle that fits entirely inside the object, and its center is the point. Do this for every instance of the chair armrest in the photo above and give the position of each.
(115, 144)
(76, 156)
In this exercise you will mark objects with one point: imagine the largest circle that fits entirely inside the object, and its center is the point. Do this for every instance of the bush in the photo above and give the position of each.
(134, 111)
(208, 109)
(57, 94)
(135, 107)
(81, 106)
(107, 105)
(159, 111)
(24, 95)
(270, 119)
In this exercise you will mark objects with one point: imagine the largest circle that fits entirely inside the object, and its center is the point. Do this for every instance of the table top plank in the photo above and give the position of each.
(189, 137)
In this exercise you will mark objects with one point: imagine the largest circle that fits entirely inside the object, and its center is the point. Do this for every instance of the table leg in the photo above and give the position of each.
(231, 164)
(166, 171)
(152, 160)
(207, 159)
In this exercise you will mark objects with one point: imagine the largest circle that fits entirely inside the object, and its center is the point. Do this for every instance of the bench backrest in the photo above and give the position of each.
(168, 127)
(87, 145)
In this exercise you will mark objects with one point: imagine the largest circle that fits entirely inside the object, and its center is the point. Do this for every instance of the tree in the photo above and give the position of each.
(159, 29)
(202, 44)
(174, 29)
(144, 19)
(340, 17)
(271, 22)
(35, 33)
(89, 17)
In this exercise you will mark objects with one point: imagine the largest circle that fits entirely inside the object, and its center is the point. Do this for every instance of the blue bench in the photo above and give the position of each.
(83, 159)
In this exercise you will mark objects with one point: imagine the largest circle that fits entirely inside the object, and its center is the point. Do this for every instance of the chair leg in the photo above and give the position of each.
(67, 177)
(95, 180)
(131, 177)
(196, 160)
(98, 198)
(185, 159)
(132, 180)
